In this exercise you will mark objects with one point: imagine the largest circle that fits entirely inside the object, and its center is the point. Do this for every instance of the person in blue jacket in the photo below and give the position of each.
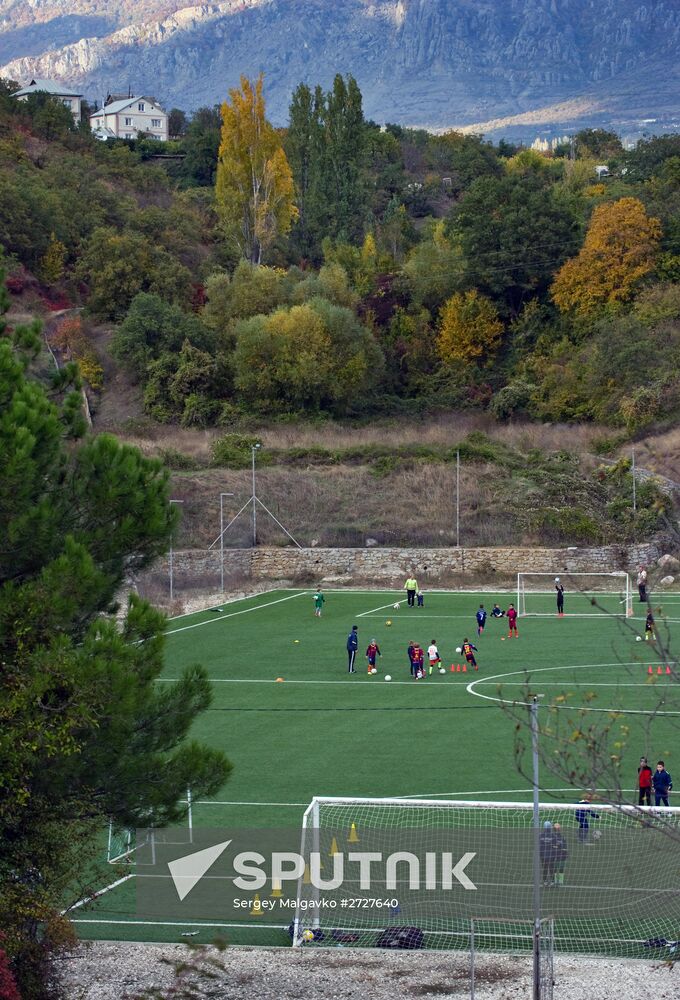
(352, 646)
(583, 817)
(663, 783)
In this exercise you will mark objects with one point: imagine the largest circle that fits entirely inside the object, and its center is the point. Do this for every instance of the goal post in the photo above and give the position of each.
(603, 888)
(585, 594)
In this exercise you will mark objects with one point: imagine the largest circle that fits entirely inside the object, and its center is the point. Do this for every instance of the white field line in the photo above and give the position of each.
(100, 892)
(232, 614)
(230, 600)
(374, 611)
(262, 680)
(176, 923)
(420, 795)
(471, 689)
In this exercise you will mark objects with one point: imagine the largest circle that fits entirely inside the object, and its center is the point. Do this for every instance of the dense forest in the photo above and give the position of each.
(340, 268)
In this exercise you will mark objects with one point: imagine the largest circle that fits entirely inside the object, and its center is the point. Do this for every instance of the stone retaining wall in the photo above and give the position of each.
(388, 564)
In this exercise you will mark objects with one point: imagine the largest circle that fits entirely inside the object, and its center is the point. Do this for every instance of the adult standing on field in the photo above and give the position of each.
(560, 596)
(411, 586)
(642, 584)
(352, 646)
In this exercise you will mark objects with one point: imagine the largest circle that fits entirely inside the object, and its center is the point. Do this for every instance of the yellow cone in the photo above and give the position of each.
(353, 835)
(256, 909)
(334, 848)
(307, 877)
(277, 891)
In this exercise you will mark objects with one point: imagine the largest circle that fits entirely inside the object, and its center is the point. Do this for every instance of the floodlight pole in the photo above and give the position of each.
(458, 499)
(222, 496)
(170, 560)
(536, 992)
(632, 469)
(253, 450)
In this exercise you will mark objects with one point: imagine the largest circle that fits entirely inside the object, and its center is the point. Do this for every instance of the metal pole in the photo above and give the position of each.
(170, 560)
(536, 992)
(254, 450)
(222, 496)
(472, 959)
(458, 499)
(634, 491)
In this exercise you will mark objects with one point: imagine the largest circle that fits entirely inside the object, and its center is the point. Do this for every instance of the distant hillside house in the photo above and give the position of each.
(129, 117)
(61, 91)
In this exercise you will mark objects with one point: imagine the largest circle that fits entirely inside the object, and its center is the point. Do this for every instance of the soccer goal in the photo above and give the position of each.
(427, 872)
(124, 844)
(585, 594)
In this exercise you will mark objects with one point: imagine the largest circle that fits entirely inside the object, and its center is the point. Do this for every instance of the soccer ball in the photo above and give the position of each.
(396, 607)
(459, 649)
(442, 670)
(374, 670)
(308, 935)
(597, 834)
(388, 677)
(389, 621)
(638, 638)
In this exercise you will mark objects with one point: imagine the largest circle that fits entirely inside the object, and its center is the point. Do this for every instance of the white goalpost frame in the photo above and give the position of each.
(622, 575)
(310, 835)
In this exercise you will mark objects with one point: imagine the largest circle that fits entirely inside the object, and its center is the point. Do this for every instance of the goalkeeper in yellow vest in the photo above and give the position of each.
(411, 586)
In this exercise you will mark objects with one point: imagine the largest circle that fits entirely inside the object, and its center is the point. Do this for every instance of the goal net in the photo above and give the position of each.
(124, 844)
(585, 594)
(443, 870)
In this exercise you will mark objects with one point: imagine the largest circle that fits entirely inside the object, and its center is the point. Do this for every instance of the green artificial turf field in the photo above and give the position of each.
(320, 731)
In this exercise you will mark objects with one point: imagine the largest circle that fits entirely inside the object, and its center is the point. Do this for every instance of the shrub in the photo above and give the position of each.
(232, 451)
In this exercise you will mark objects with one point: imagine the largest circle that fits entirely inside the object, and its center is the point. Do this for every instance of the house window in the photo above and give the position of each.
(66, 101)
(128, 135)
(128, 121)
(155, 123)
(140, 107)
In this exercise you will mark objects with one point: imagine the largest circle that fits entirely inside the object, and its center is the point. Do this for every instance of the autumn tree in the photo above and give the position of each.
(469, 330)
(619, 252)
(254, 187)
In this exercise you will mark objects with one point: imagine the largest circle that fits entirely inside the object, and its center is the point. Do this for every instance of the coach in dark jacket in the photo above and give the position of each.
(352, 646)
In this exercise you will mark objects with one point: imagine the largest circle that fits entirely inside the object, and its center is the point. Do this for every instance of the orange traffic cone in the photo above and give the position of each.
(659, 670)
(668, 670)
(458, 668)
(465, 668)
(649, 670)
(453, 669)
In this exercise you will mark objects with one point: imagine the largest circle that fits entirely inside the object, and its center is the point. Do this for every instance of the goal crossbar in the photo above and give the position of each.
(582, 586)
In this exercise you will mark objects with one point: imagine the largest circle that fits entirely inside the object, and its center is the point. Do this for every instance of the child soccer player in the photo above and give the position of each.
(433, 655)
(497, 612)
(560, 597)
(371, 653)
(649, 628)
(481, 619)
(420, 597)
(410, 651)
(319, 600)
(511, 614)
(469, 653)
(418, 662)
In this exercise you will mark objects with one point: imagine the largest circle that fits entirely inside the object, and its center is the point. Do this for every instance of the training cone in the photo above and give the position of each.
(668, 670)
(279, 680)
(453, 669)
(353, 835)
(465, 668)
(256, 909)
(458, 668)
(334, 848)
(276, 893)
(659, 670)
(307, 877)
(650, 670)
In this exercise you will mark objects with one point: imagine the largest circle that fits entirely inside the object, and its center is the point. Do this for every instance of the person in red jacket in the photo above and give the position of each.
(644, 783)
(511, 615)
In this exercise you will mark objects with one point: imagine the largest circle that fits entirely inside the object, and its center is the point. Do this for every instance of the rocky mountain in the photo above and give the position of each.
(426, 62)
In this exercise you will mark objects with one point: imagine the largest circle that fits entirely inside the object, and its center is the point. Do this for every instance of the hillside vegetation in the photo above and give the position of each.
(387, 275)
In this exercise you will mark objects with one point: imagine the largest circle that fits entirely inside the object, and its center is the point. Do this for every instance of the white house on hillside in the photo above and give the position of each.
(61, 91)
(127, 117)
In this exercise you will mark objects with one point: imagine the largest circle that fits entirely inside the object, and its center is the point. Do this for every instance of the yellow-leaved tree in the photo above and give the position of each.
(254, 186)
(620, 249)
(469, 330)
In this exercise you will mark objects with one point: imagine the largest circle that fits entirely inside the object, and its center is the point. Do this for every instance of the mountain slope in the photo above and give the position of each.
(435, 62)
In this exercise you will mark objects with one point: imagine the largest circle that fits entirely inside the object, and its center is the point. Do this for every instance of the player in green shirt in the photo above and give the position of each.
(319, 601)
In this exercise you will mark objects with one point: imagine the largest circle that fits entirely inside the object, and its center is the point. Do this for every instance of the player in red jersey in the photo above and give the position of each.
(511, 615)
(469, 651)
(371, 653)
